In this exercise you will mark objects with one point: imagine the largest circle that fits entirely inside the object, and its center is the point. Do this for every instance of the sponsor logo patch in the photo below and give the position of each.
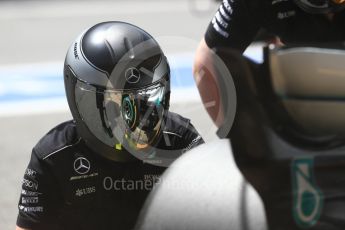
(307, 197)
(85, 191)
(81, 165)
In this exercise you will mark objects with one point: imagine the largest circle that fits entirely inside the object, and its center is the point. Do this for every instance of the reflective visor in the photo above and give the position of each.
(129, 118)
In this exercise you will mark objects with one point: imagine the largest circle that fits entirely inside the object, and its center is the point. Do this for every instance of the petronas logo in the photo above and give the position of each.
(307, 198)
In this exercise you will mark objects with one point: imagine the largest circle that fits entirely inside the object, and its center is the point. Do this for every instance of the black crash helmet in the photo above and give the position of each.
(321, 6)
(117, 82)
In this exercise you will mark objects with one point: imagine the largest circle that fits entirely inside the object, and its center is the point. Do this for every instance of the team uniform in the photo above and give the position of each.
(67, 186)
(237, 22)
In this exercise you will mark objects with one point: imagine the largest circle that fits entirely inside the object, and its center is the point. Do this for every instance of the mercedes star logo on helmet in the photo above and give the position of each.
(81, 165)
(132, 75)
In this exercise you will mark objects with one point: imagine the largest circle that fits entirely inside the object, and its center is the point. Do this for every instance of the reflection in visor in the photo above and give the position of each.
(129, 111)
(131, 118)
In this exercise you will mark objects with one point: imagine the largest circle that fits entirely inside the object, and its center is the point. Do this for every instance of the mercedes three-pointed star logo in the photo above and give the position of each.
(81, 165)
(132, 75)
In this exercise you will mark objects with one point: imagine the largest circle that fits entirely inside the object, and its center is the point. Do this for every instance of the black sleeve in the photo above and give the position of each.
(235, 24)
(191, 138)
(39, 196)
(179, 134)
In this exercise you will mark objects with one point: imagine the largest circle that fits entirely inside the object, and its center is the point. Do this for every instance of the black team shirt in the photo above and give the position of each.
(67, 186)
(237, 22)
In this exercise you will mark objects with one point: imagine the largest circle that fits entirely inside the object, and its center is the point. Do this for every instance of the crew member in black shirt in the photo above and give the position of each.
(233, 28)
(95, 172)
(237, 22)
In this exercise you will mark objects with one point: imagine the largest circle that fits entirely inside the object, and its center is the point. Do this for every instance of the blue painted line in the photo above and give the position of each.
(25, 83)
(45, 81)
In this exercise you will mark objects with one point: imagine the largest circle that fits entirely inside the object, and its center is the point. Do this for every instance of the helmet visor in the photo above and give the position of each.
(129, 118)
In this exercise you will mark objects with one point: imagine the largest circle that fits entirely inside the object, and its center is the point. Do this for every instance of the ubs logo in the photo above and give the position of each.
(81, 165)
(132, 75)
